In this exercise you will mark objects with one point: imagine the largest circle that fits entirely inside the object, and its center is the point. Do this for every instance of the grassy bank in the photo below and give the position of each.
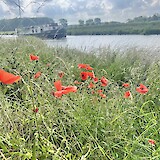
(96, 122)
(7, 33)
(116, 28)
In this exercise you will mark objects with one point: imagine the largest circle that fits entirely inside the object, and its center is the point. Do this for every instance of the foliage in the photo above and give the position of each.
(81, 22)
(115, 28)
(63, 22)
(11, 24)
(138, 25)
(78, 125)
(155, 17)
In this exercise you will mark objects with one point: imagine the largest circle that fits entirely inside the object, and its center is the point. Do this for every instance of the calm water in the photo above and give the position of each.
(149, 43)
(121, 42)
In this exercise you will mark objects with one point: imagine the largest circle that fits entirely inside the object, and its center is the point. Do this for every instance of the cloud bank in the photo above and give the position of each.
(107, 10)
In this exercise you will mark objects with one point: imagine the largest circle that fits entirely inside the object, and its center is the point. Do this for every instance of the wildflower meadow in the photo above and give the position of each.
(64, 104)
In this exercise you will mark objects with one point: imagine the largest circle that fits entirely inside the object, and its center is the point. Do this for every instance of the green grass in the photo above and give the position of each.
(7, 33)
(78, 125)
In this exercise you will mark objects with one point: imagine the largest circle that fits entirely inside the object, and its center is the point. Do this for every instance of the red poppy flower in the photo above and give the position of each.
(92, 92)
(91, 85)
(99, 91)
(152, 142)
(33, 57)
(62, 89)
(126, 85)
(82, 66)
(142, 89)
(76, 82)
(37, 75)
(8, 78)
(91, 74)
(35, 110)
(89, 68)
(104, 81)
(85, 66)
(57, 94)
(95, 79)
(58, 85)
(102, 95)
(84, 76)
(61, 74)
(68, 89)
(127, 94)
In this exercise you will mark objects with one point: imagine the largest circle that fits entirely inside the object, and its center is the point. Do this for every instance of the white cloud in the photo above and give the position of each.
(65, 4)
(106, 4)
(5, 11)
(155, 3)
(73, 10)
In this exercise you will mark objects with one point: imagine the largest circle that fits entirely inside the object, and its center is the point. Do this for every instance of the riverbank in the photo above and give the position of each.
(105, 115)
(116, 28)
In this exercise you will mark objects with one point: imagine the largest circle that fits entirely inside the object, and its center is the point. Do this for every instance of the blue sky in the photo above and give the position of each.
(73, 10)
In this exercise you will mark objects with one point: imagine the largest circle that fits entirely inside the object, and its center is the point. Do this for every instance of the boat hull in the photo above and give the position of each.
(49, 34)
(57, 33)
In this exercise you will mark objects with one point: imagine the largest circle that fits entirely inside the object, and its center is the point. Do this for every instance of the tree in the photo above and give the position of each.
(63, 22)
(97, 21)
(155, 17)
(81, 22)
(89, 22)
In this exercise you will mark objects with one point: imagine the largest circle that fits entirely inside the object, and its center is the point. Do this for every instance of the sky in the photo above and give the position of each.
(74, 10)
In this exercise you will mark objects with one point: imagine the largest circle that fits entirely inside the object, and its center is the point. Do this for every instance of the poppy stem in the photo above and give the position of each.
(63, 63)
(3, 155)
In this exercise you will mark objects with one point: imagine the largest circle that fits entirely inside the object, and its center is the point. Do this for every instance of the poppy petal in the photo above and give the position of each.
(76, 82)
(142, 89)
(68, 89)
(95, 79)
(90, 74)
(91, 85)
(104, 81)
(102, 95)
(85, 66)
(33, 57)
(127, 94)
(58, 85)
(152, 142)
(57, 94)
(82, 66)
(8, 78)
(84, 76)
(125, 85)
(37, 75)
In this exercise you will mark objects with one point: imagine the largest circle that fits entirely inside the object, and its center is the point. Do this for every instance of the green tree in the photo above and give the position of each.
(89, 22)
(63, 22)
(81, 22)
(97, 21)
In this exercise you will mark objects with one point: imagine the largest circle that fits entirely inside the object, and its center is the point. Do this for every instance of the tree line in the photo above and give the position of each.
(113, 28)
(12, 24)
(138, 25)
(97, 21)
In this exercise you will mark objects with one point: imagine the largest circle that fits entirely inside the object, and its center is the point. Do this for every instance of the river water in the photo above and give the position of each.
(150, 43)
(88, 43)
